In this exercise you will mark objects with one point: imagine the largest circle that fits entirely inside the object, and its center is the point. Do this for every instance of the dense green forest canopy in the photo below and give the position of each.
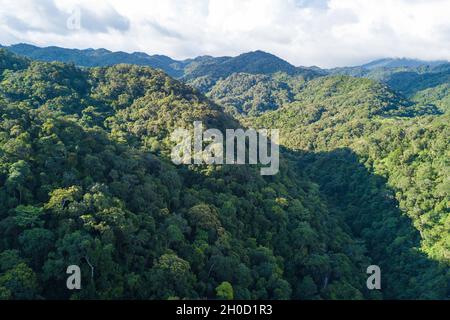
(86, 179)
(423, 82)
(404, 142)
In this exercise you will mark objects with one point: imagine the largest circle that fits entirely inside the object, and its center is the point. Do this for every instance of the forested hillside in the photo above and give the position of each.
(269, 80)
(425, 82)
(86, 179)
(203, 72)
(404, 142)
(254, 94)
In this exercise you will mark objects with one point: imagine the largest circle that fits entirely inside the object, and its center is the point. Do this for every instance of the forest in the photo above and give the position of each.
(86, 179)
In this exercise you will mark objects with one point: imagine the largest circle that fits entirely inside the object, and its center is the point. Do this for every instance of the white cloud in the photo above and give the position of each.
(304, 32)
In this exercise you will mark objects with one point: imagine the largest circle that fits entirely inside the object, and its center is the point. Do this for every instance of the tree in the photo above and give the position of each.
(18, 174)
(28, 216)
(171, 277)
(225, 291)
(19, 282)
(36, 243)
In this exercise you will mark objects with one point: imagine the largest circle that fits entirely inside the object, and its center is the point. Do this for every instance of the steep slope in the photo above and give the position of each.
(393, 138)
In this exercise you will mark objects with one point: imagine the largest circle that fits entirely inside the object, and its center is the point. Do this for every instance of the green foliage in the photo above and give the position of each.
(342, 127)
(86, 179)
(250, 94)
(225, 291)
(19, 282)
(28, 216)
(89, 183)
(425, 82)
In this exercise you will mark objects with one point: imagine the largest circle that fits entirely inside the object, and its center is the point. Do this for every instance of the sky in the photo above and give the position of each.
(325, 33)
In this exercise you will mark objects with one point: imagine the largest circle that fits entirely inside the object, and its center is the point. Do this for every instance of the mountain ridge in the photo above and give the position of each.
(412, 77)
(390, 62)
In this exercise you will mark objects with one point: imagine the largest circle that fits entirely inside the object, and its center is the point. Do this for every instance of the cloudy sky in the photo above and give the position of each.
(325, 33)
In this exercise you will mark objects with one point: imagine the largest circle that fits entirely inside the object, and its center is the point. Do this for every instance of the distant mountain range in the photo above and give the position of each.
(97, 57)
(401, 63)
(252, 62)
(236, 82)
(259, 62)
